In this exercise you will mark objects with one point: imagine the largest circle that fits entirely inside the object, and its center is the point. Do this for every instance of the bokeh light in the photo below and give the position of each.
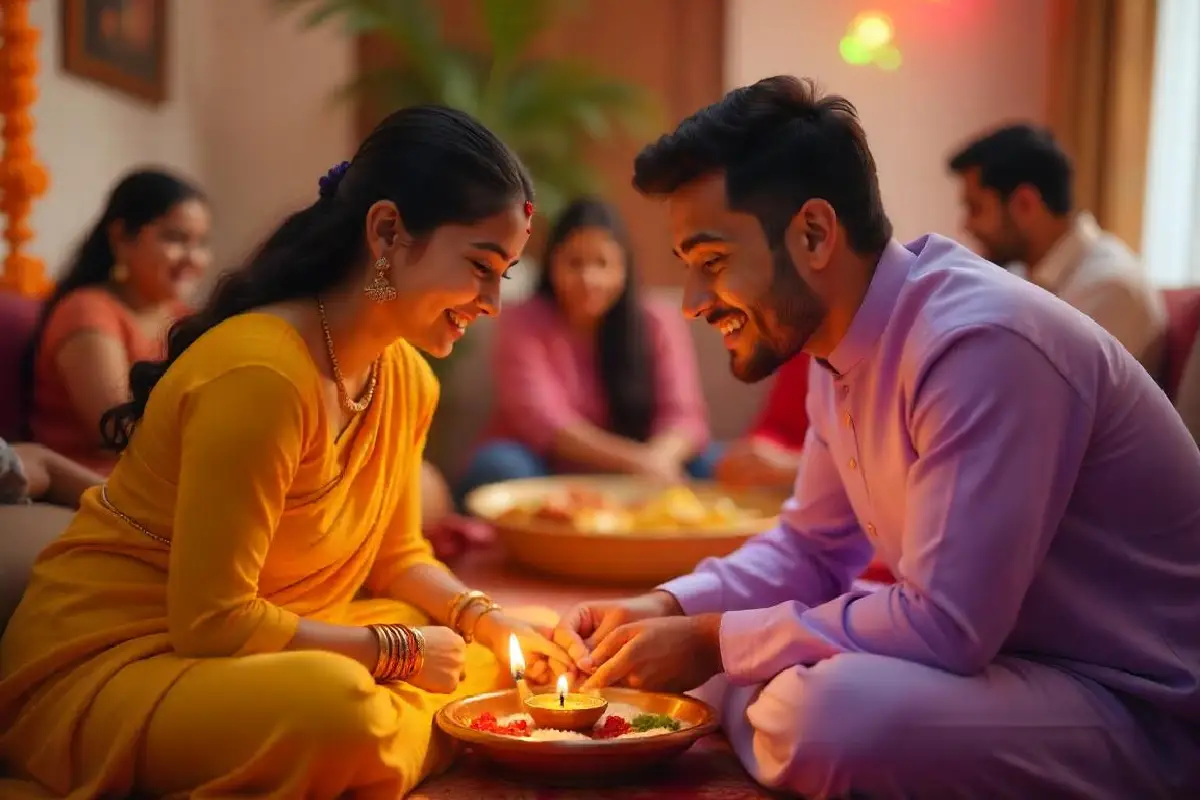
(869, 41)
(854, 51)
(873, 29)
(888, 58)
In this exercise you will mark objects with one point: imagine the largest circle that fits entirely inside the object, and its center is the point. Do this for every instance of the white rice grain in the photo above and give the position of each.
(623, 710)
(552, 735)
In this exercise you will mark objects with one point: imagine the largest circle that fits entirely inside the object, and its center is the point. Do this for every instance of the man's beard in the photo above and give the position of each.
(1009, 247)
(786, 316)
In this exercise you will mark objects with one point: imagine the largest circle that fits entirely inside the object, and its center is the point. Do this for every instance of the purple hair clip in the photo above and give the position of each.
(328, 184)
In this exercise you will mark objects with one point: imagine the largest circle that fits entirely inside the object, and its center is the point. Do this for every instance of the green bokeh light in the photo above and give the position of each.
(888, 58)
(854, 51)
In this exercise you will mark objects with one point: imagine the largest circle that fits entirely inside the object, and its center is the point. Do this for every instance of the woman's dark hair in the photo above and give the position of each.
(439, 166)
(623, 351)
(141, 197)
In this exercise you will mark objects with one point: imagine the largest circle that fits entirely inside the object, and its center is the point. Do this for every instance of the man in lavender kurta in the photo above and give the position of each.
(1031, 488)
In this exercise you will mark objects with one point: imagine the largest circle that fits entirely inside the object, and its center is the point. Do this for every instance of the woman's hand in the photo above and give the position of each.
(660, 464)
(758, 462)
(543, 658)
(445, 660)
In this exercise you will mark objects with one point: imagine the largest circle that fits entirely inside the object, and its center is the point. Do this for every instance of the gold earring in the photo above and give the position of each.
(120, 273)
(380, 288)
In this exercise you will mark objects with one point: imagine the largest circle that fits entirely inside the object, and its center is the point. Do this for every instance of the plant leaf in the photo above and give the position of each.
(511, 24)
(566, 94)
(547, 110)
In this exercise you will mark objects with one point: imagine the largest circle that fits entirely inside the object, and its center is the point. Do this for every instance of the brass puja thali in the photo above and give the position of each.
(620, 529)
(638, 732)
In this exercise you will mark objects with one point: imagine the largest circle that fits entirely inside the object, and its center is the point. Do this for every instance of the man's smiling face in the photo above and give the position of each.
(752, 292)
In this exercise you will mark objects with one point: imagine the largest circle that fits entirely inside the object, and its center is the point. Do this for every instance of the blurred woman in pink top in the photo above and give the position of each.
(589, 376)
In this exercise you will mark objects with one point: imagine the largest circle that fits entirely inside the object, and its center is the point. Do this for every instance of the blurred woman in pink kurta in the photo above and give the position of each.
(589, 376)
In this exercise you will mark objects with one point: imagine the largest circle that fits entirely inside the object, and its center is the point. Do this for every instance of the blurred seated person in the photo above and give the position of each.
(450, 535)
(1187, 396)
(769, 454)
(1016, 191)
(123, 290)
(30, 472)
(589, 376)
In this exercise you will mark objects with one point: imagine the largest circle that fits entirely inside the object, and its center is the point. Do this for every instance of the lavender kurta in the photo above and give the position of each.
(1038, 499)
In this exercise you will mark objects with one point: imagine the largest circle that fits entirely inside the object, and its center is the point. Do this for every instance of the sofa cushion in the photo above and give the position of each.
(25, 530)
(1183, 325)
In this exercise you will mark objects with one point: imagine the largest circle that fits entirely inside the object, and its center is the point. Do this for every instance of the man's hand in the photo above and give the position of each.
(673, 654)
(584, 626)
(758, 462)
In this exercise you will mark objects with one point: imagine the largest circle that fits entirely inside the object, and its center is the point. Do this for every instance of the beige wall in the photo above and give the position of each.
(968, 64)
(248, 117)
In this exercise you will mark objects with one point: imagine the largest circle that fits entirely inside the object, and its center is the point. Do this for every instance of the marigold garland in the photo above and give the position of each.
(22, 178)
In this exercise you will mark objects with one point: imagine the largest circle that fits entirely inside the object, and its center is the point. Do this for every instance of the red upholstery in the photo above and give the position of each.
(18, 317)
(1183, 325)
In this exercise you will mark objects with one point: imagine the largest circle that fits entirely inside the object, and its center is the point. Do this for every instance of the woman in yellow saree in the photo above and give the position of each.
(247, 606)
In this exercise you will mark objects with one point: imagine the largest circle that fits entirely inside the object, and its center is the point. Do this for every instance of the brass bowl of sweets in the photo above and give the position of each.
(615, 529)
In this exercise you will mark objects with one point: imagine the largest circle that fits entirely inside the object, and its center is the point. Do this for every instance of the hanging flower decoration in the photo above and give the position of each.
(22, 178)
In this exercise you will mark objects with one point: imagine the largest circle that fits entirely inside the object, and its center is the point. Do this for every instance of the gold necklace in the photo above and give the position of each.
(348, 402)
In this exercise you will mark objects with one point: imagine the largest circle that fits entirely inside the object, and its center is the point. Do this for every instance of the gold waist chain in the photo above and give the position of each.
(128, 520)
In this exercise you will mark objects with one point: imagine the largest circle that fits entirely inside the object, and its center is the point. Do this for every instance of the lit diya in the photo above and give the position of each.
(563, 710)
(563, 714)
(547, 737)
(566, 710)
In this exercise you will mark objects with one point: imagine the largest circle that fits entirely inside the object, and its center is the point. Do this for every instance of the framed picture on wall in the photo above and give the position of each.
(119, 43)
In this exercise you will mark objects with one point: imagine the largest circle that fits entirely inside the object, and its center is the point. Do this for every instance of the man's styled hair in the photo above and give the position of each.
(1017, 155)
(780, 142)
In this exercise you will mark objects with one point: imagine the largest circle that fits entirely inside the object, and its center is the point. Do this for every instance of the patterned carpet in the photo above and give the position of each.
(708, 771)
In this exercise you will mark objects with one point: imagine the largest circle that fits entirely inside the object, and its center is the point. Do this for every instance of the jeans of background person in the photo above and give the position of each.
(506, 460)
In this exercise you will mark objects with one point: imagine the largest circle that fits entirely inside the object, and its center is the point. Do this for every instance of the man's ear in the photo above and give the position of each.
(810, 234)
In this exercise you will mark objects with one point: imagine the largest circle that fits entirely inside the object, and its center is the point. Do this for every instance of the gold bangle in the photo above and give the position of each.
(461, 630)
(385, 663)
(419, 659)
(469, 636)
(462, 601)
(384, 651)
(410, 662)
(399, 654)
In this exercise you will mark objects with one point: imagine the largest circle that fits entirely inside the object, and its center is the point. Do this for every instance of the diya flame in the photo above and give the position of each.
(516, 659)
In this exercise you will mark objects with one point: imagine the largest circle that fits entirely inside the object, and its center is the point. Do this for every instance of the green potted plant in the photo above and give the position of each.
(549, 110)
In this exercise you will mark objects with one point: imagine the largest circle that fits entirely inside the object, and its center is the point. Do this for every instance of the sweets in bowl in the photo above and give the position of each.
(620, 721)
(639, 731)
(620, 528)
(588, 510)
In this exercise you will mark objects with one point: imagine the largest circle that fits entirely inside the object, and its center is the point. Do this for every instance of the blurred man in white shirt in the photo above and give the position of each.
(1016, 194)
